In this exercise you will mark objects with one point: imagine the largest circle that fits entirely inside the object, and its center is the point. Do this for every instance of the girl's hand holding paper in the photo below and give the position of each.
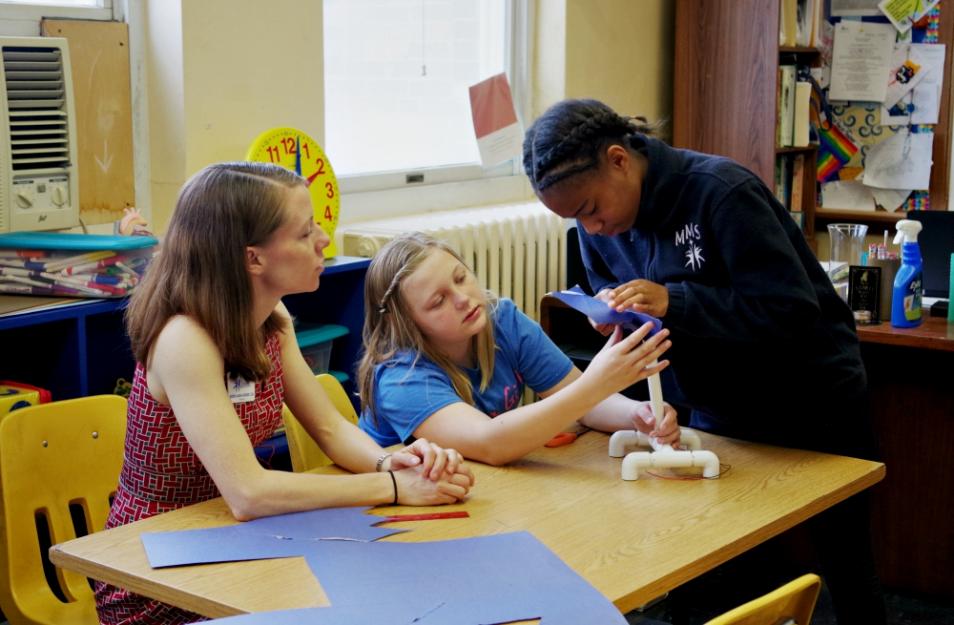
(642, 296)
(601, 313)
(623, 361)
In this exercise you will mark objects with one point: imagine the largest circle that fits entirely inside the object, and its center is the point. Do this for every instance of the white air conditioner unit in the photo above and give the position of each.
(38, 165)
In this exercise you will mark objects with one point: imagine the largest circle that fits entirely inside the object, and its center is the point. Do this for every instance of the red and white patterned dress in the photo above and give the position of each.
(161, 472)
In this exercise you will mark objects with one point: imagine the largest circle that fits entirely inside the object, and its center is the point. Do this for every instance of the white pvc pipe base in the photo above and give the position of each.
(662, 456)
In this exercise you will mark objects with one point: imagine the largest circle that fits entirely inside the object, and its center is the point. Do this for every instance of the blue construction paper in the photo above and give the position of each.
(222, 544)
(483, 580)
(270, 537)
(355, 615)
(327, 523)
(600, 312)
(472, 581)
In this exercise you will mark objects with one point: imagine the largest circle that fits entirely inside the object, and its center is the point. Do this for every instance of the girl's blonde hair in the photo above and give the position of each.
(201, 271)
(389, 326)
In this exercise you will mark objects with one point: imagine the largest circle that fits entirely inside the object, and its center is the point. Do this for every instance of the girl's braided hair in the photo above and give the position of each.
(569, 137)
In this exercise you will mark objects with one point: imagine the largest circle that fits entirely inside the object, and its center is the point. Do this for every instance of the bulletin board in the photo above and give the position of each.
(861, 121)
(99, 60)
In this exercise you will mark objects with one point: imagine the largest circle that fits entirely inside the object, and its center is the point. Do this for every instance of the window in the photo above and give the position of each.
(397, 72)
(21, 17)
(62, 3)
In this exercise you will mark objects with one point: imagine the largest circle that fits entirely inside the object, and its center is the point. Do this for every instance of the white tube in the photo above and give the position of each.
(689, 438)
(622, 439)
(669, 459)
(709, 462)
(633, 462)
(656, 395)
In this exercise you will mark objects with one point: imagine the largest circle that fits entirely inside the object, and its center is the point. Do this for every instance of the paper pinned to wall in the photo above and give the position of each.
(902, 161)
(499, 134)
(903, 13)
(904, 74)
(922, 105)
(847, 195)
(860, 59)
(890, 199)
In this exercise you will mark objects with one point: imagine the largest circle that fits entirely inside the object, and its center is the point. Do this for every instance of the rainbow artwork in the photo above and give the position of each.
(835, 149)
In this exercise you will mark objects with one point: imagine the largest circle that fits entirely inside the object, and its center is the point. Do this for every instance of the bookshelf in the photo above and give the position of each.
(726, 60)
(79, 348)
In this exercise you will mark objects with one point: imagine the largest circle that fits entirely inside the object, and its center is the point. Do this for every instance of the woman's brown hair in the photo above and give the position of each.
(201, 268)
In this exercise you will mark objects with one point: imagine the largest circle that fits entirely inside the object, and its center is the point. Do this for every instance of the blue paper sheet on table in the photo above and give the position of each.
(600, 312)
(478, 581)
(280, 536)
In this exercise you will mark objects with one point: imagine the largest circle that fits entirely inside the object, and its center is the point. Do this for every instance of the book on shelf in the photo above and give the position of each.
(798, 23)
(786, 105)
(800, 115)
(783, 180)
(797, 184)
(790, 184)
(788, 23)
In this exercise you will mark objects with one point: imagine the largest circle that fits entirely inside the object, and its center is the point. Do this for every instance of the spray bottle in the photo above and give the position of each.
(906, 298)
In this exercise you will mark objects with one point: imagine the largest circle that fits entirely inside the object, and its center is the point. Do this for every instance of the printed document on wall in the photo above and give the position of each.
(860, 60)
(902, 161)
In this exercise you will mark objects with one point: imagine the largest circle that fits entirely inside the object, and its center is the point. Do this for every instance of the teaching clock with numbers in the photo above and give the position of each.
(300, 153)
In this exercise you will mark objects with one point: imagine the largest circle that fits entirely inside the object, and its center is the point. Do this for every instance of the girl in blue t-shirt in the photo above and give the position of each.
(446, 361)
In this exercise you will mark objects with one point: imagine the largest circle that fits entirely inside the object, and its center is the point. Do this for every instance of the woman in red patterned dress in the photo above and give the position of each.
(216, 358)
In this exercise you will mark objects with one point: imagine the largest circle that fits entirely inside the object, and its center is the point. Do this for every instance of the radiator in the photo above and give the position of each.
(516, 251)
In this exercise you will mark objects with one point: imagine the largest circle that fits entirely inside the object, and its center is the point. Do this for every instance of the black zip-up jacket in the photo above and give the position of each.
(763, 347)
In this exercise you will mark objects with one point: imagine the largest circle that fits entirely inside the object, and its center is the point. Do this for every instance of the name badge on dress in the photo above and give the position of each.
(240, 391)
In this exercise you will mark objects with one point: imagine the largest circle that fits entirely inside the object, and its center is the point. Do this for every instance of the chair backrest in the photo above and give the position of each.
(304, 451)
(794, 602)
(59, 467)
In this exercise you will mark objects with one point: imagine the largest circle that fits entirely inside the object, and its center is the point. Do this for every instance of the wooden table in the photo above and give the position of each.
(911, 383)
(633, 541)
(934, 334)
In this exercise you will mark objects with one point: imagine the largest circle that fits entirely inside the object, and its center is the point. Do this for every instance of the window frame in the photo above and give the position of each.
(36, 11)
(448, 186)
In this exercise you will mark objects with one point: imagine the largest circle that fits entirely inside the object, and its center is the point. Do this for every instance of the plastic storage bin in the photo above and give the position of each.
(316, 342)
(16, 395)
(73, 265)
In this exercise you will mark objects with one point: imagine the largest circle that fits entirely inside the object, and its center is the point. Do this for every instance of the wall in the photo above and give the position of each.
(620, 52)
(617, 51)
(219, 73)
(164, 95)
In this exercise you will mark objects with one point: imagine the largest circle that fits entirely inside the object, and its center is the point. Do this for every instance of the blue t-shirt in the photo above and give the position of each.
(408, 392)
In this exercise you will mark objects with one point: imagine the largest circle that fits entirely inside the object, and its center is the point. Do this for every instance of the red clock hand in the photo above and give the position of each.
(311, 178)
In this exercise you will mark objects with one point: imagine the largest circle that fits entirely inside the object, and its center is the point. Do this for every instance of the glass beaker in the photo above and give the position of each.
(846, 242)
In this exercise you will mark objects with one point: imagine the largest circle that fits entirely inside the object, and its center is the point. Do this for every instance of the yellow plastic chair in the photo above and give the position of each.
(792, 603)
(57, 461)
(304, 451)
